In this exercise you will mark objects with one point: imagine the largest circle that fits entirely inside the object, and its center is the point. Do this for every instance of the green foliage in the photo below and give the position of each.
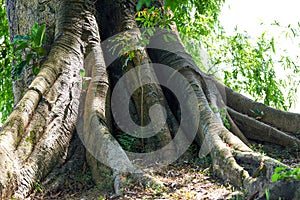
(82, 72)
(258, 148)
(248, 66)
(28, 50)
(6, 93)
(223, 116)
(191, 23)
(38, 188)
(159, 189)
(3, 20)
(192, 17)
(245, 64)
(125, 45)
(25, 51)
(285, 173)
(258, 113)
(251, 68)
(141, 3)
(135, 144)
(84, 178)
(267, 191)
(127, 141)
(131, 143)
(204, 7)
(154, 17)
(223, 112)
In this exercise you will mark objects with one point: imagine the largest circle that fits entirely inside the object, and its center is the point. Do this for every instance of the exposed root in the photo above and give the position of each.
(139, 177)
(230, 155)
(33, 150)
(284, 121)
(66, 176)
(232, 159)
(235, 130)
(257, 130)
(250, 170)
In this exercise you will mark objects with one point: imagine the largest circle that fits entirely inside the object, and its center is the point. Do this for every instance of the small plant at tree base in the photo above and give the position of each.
(224, 118)
(267, 194)
(285, 173)
(222, 113)
(28, 50)
(258, 148)
(258, 113)
(128, 142)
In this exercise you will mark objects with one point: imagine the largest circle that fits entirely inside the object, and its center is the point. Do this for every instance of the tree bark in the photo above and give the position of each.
(36, 136)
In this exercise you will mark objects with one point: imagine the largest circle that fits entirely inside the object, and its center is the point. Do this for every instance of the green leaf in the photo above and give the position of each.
(40, 51)
(20, 38)
(35, 70)
(272, 44)
(267, 194)
(40, 36)
(18, 70)
(275, 177)
(141, 3)
(33, 30)
(172, 37)
(29, 57)
(82, 72)
(23, 45)
(165, 38)
(84, 85)
(139, 19)
(279, 169)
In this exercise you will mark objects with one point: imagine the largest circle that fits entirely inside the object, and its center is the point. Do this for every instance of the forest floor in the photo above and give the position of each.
(188, 178)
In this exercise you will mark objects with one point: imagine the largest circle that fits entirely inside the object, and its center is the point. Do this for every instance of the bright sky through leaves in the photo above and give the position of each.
(249, 16)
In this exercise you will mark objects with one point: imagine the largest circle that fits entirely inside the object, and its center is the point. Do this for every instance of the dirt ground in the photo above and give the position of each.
(187, 178)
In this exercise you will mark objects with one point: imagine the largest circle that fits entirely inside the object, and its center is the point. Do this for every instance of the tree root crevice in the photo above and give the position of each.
(259, 131)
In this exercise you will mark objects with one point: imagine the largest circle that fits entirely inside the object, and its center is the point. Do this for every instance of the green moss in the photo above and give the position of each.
(32, 137)
(8, 174)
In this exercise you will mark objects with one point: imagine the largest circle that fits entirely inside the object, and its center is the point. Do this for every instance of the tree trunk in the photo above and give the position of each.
(119, 95)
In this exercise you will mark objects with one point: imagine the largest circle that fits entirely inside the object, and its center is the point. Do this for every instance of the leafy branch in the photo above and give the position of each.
(28, 50)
